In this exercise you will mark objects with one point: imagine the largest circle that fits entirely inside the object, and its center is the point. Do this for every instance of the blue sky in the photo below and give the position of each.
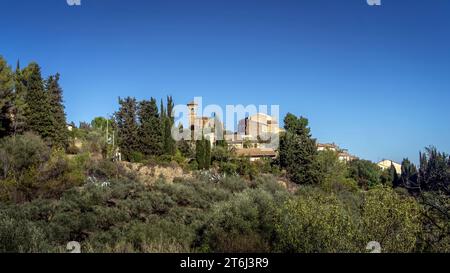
(375, 80)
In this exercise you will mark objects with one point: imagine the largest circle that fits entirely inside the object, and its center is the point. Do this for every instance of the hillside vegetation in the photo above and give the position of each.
(59, 185)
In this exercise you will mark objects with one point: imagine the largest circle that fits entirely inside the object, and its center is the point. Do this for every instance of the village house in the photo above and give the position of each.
(255, 154)
(343, 154)
(327, 147)
(259, 124)
(386, 164)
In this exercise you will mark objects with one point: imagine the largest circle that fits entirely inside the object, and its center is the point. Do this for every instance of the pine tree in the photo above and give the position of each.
(6, 97)
(150, 132)
(59, 133)
(39, 115)
(126, 120)
(298, 152)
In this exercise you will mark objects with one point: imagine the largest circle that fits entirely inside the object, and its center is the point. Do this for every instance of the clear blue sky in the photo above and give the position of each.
(375, 80)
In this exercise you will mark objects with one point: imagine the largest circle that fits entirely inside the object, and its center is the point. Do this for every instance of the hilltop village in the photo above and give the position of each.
(254, 135)
(124, 184)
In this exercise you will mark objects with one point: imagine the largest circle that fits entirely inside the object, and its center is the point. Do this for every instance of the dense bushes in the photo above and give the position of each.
(316, 222)
(390, 219)
(365, 173)
(56, 198)
(31, 170)
(320, 222)
(17, 235)
(246, 222)
(335, 172)
(231, 215)
(21, 153)
(436, 222)
(126, 216)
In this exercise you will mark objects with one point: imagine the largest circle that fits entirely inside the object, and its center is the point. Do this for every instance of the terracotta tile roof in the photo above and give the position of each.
(255, 152)
(327, 145)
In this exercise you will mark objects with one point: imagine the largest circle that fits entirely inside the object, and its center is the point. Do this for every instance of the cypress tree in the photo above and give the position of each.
(59, 133)
(6, 97)
(169, 142)
(396, 182)
(39, 115)
(19, 108)
(409, 175)
(126, 121)
(184, 147)
(207, 147)
(150, 133)
(203, 153)
(434, 171)
(200, 154)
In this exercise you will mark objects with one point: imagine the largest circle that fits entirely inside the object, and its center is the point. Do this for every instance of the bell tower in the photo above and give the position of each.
(192, 106)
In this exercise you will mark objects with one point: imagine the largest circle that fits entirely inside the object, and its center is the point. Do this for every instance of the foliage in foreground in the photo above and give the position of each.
(229, 215)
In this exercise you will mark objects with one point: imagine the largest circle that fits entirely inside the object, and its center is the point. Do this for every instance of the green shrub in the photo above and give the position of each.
(263, 165)
(21, 236)
(137, 157)
(390, 219)
(193, 165)
(335, 173)
(179, 159)
(246, 168)
(73, 150)
(233, 184)
(316, 222)
(103, 169)
(220, 154)
(435, 236)
(59, 174)
(366, 173)
(245, 223)
(21, 153)
(228, 168)
(31, 171)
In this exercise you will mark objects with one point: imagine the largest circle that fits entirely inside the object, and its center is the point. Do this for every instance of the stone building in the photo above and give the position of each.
(386, 164)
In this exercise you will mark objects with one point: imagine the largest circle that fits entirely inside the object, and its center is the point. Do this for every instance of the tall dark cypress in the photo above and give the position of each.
(150, 132)
(203, 153)
(396, 182)
(409, 175)
(59, 134)
(169, 142)
(200, 154)
(207, 147)
(39, 115)
(434, 171)
(162, 111)
(126, 121)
